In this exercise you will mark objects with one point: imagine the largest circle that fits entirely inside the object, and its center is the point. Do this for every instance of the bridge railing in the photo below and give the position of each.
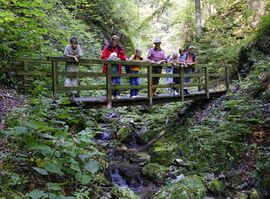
(202, 77)
(92, 79)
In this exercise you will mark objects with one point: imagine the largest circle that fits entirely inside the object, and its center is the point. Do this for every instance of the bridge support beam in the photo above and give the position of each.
(150, 85)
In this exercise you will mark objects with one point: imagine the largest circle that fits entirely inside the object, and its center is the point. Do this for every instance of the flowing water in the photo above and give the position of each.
(122, 171)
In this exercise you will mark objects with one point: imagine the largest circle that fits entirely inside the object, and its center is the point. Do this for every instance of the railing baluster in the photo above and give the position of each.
(206, 82)
(199, 80)
(149, 82)
(227, 78)
(181, 76)
(109, 85)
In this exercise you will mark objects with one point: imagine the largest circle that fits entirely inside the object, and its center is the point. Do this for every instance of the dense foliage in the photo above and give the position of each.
(49, 148)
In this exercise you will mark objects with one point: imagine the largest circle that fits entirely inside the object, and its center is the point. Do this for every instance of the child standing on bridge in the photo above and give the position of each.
(173, 60)
(135, 81)
(74, 51)
(115, 69)
(189, 66)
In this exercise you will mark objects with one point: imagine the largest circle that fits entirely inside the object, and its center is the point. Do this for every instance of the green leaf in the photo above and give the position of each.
(41, 171)
(18, 130)
(83, 178)
(75, 167)
(48, 136)
(35, 125)
(44, 149)
(54, 167)
(53, 186)
(91, 166)
(36, 194)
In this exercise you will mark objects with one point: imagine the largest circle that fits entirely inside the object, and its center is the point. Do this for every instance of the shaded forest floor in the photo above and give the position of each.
(9, 99)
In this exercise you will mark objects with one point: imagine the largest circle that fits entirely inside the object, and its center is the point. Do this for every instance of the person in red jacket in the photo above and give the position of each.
(114, 47)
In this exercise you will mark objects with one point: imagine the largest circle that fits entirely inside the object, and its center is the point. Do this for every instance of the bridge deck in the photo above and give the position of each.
(99, 101)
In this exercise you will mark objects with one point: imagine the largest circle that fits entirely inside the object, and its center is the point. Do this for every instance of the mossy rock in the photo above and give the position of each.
(255, 194)
(163, 153)
(123, 193)
(148, 135)
(216, 186)
(155, 172)
(242, 195)
(124, 135)
(175, 191)
(190, 187)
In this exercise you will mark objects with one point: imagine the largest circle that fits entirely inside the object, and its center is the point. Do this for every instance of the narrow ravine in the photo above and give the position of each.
(126, 160)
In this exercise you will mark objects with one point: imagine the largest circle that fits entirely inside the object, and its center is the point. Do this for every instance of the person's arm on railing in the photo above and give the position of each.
(67, 52)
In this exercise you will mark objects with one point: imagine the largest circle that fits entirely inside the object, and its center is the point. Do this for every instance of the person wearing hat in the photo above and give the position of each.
(190, 62)
(156, 55)
(114, 47)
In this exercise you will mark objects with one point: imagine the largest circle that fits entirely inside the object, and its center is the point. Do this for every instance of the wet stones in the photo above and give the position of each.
(163, 153)
(155, 172)
(189, 187)
(124, 135)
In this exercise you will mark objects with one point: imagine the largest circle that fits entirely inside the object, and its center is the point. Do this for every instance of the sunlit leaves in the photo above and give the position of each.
(41, 171)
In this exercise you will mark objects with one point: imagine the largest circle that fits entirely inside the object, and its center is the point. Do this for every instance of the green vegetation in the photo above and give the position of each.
(50, 149)
(56, 148)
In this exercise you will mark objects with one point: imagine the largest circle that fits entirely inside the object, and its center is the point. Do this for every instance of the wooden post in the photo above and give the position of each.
(149, 82)
(109, 85)
(181, 76)
(25, 76)
(227, 78)
(207, 82)
(55, 77)
(199, 80)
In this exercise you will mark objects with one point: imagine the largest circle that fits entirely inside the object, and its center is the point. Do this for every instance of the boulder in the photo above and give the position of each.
(124, 135)
(163, 153)
(189, 187)
(123, 193)
(216, 186)
(155, 172)
(140, 158)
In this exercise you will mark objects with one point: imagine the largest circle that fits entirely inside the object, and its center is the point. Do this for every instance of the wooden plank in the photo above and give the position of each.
(128, 63)
(194, 75)
(34, 73)
(79, 88)
(127, 75)
(109, 85)
(194, 84)
(31, 60)
(81, 74)
(123, 87)
(177, 75)
(149, 82)
(181, 83)
(216, 75)
(199, 78)
(207, 82)
(99, 101)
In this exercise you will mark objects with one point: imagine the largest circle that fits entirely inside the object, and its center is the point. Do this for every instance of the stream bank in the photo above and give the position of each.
(143, 157)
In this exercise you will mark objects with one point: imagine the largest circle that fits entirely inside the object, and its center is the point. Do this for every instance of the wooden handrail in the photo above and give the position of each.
(203, 76)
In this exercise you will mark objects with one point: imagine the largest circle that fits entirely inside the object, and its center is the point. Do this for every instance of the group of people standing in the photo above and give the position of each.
(113, 52)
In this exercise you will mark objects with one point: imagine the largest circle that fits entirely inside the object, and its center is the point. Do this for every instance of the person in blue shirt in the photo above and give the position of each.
(176, 70)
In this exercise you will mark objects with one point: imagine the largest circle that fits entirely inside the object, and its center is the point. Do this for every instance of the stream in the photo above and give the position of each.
(126, 162)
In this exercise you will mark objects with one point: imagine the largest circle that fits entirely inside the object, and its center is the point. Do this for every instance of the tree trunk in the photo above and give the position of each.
(198, 18)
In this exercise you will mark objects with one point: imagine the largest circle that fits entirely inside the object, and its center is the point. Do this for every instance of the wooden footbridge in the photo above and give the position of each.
(96, 89)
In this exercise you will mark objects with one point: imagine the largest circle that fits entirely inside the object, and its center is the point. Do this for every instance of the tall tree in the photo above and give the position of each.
(198, 18)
